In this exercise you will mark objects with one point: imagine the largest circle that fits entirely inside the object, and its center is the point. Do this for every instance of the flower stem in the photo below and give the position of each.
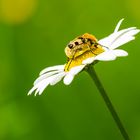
(108, 103)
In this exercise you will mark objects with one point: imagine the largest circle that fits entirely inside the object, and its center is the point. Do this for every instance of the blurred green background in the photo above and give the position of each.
(33, 35)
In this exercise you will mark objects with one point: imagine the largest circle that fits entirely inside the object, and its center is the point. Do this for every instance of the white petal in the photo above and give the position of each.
(120, 53)
(108, 41)
(124, 38)
(44, 76)
(57, 78)
(70, 75)
(37, 90)
(31, 90)
(118, 25)
(105, 56)
(44, 83)
(75, 70)
(68, 79)
(88, 61)
(38, 86)
(57, 67)
(42, 87)
(121, 41)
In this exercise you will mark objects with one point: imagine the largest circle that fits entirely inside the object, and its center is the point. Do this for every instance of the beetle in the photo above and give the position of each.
(81, 48)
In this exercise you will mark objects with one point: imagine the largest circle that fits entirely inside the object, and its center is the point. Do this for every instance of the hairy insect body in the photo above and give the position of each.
(81, 48)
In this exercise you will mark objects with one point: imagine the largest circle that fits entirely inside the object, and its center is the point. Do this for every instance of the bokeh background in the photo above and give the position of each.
(33, 35)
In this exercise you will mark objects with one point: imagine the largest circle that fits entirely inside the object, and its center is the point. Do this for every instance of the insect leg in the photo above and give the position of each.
(104, 46)
(70, 61)
(93, 49)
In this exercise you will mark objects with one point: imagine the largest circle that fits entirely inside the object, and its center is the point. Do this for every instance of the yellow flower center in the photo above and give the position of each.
(72, 62)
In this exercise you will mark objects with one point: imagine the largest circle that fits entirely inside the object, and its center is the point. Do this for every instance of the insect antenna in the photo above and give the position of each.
(104, 46)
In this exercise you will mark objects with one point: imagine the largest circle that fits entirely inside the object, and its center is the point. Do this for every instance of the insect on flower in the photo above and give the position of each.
(81, 48)
(83, 51)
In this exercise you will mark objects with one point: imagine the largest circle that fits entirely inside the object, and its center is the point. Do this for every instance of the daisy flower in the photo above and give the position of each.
(80, 55)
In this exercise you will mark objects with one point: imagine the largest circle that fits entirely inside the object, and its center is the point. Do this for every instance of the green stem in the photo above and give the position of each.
(108, 103)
